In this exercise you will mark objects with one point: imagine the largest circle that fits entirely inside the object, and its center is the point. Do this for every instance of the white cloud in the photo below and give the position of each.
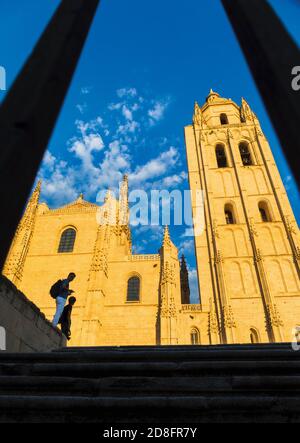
(85, 90)
(129, 127)
(89, 142)
(156, 167)
(99, 154)
(116, 162)
(60, 185)
(156, 113)
(187, 247)
(174, 180)
(81, 108)
(49, 160)
(129, 92)
(115, 106)
(91, 125)
(135, 107)
(126, 112)
(146, 234)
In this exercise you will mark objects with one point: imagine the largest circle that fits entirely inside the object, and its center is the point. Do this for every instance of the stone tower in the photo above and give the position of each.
(248, 253)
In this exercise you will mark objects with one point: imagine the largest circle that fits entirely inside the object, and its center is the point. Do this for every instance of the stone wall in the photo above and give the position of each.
(26, 327)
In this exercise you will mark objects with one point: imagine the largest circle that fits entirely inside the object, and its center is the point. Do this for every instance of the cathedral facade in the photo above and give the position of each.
(122, 298)
(248, 255)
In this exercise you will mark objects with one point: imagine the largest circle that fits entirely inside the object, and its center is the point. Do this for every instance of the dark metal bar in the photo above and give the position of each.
(271, 54)
(31, 108)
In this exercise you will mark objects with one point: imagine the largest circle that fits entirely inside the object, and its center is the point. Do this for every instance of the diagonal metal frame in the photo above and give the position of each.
(271, 54)
(31, 108)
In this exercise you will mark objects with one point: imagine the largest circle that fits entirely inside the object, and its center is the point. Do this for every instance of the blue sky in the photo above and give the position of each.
(144, 65)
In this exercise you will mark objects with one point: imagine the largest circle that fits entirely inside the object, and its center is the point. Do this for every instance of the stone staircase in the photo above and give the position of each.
(182, 384)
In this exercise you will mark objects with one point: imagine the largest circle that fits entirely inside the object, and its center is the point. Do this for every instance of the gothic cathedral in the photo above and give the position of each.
(248, 255)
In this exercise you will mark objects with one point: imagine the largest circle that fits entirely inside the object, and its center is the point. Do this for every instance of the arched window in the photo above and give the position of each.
(224, 119)
(67, 241)
(195, 336)
(133, 289)
(254, 337)
(245, 154)
(229, 215)
(264, 212)
(221, 156)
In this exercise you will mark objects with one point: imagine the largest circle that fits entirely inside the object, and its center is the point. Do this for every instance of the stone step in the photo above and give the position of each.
(152, 386)
(165, 369)
(145, 354)
(152, 409)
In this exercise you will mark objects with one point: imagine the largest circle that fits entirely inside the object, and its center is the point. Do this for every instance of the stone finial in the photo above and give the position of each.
(197, 118)
(212, 96)
(246, 112)
(167, 239)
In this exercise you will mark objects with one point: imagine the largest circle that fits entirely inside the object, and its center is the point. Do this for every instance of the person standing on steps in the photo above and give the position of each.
(61, 291)
(65, 319)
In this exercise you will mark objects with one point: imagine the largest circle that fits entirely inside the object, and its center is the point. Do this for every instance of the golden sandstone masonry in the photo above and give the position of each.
(248, 255)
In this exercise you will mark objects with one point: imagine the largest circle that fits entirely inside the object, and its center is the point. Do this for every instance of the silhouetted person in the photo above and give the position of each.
(65, 319)
(63, 293)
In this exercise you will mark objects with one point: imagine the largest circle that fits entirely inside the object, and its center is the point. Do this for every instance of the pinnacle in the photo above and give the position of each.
(212, 92)
(167, 239)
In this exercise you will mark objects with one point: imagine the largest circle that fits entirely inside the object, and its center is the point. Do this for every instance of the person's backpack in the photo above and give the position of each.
(55, 289)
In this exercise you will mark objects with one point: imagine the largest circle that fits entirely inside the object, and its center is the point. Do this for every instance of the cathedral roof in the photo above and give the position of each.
(79, 205)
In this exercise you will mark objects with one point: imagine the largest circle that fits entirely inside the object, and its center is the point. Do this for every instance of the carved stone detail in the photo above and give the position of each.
(274, 318)
(212, 319)
(228, 317)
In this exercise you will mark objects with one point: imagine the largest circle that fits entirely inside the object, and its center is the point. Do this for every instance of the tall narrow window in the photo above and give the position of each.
(133, 289)
(195, 337)
(224, 119)
(67, 241)
(221, 156)
(254, 337)
(245, 154)
(229, 215)
(264, 212)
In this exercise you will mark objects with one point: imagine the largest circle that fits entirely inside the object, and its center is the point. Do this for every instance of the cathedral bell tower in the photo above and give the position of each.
(248, 254)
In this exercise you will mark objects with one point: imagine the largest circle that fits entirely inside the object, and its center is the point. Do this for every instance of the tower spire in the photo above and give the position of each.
(184, 282)
(197, 118)
(167, 239)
